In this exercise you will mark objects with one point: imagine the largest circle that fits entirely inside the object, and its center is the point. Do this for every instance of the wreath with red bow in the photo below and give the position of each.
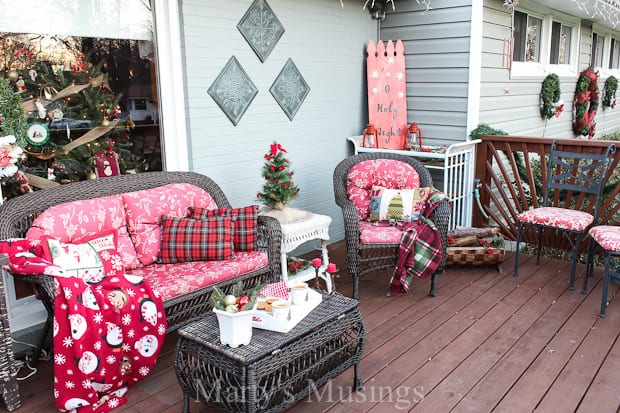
(587, 95)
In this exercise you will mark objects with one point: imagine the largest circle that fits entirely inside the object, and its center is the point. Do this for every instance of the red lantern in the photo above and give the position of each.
(414, 140)
(370, 137)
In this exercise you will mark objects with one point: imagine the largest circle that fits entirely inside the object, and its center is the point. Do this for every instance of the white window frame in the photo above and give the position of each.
(607, 34)
(544, 67)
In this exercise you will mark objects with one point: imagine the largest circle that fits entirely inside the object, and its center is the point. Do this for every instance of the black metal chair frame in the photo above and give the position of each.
(363, 258)
(577, 172)
(610, 273)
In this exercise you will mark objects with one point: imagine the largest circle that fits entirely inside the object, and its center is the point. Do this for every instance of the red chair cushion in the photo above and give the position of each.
(558, 218)
(388, 173)
(607, 236)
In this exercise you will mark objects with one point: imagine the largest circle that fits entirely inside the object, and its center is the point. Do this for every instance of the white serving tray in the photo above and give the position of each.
(265, 321)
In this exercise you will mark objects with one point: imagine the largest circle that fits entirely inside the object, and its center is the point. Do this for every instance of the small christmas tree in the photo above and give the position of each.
(279, 188)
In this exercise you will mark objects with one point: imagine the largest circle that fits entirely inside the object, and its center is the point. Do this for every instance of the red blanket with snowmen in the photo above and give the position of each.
(108, 330)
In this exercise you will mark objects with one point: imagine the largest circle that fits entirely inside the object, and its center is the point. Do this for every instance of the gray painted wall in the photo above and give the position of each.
(512, 104)
(437, 58)
(327, 44)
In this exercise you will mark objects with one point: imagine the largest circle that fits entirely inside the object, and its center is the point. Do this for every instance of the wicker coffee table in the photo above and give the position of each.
(275, 370)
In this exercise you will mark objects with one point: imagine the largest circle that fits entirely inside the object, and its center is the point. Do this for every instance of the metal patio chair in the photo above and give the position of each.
(585, 175)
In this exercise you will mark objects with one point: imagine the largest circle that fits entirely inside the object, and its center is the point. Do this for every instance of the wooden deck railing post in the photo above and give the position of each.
(482, 156)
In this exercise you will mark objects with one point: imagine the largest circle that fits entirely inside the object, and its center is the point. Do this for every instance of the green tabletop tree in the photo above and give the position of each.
(278, 189)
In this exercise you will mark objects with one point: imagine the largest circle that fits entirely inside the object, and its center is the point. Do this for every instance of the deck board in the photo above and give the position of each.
(489, 342)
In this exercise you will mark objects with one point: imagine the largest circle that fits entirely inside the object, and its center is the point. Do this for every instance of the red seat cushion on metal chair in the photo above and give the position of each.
(607, 236)
(557, 217)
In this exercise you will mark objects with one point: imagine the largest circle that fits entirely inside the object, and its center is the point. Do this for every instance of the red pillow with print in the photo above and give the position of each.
(91, 258)
(245, 225)
(187, 239)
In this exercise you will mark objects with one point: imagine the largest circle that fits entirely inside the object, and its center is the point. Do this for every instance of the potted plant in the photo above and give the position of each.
(234, 313)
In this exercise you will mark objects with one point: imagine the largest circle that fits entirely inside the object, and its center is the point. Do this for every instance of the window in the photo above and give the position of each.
(614, 54)
(545, 41)
(527, 35)
(78, 75)
(598, 42)
(560, 44)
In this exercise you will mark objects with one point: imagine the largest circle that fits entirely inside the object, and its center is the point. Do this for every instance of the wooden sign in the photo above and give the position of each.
(387, 95)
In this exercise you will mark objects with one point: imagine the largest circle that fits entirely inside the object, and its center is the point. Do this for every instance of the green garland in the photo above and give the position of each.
(609, 94)
(549, 95)
(13, 115)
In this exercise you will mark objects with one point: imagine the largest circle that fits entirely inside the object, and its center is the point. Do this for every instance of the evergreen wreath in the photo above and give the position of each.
(587, 95)
(550, 96)
(609, 94)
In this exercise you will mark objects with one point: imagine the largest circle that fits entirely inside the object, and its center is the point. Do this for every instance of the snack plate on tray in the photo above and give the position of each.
(264, 320)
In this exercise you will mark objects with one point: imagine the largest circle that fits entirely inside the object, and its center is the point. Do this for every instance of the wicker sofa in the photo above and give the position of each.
(18, 214)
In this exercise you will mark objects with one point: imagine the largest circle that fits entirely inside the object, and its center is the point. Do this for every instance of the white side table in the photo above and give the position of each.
(312, 227)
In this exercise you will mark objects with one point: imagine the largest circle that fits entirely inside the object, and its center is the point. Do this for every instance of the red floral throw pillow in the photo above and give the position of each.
(187, 239)
(245, 225)
(91, 258)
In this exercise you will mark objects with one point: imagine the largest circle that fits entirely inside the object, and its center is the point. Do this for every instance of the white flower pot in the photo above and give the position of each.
(235, 328)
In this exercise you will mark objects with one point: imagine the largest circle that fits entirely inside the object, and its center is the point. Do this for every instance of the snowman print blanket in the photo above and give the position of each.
(108, 326)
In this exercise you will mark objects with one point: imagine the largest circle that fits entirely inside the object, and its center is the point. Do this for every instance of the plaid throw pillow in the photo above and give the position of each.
(245, 225)
(186, 239)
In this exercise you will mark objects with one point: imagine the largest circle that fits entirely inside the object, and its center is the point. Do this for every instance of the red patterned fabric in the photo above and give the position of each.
(279, 289)
(107, 333)
(557, 217)
(76, 220)
(379, 233)
(388, 173)
(145, 208)
(187, 239)
(607, 236)
(164, 278)
(245, 225)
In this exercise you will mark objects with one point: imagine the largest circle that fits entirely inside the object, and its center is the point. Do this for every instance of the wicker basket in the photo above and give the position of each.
(474, 255)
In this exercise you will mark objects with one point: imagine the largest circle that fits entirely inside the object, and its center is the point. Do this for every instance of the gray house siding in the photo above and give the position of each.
(327, 44)
(437, 60)
(512, 103)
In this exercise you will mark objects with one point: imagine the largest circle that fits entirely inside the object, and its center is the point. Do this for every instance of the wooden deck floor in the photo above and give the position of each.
(487, 342)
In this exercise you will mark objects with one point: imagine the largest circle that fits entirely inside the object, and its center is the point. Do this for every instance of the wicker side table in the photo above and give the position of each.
(275, 370)
(8, 375)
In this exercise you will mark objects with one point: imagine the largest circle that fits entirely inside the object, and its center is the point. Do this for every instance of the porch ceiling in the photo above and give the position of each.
(604, 12)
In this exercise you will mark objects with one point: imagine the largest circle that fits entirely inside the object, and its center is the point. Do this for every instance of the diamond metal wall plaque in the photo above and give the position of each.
(233, 90)
(290, 89)
(261, 28)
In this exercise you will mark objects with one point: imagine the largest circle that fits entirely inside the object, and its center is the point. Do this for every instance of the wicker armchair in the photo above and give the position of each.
(365, 258)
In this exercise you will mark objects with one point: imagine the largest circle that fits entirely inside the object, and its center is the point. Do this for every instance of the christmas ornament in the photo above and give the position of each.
(41, 112)
(37, 134)
(107, 164)
(13, 75)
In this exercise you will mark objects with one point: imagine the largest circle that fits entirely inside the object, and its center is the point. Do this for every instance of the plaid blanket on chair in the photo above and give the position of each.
(420, 251)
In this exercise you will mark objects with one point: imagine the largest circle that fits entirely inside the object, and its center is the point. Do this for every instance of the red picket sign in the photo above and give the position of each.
(387, 95)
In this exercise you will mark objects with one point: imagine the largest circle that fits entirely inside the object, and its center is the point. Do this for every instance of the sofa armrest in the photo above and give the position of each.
(269, 235)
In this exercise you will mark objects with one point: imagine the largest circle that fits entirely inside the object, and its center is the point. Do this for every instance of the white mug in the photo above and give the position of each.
(280, 309)
(299, 293)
